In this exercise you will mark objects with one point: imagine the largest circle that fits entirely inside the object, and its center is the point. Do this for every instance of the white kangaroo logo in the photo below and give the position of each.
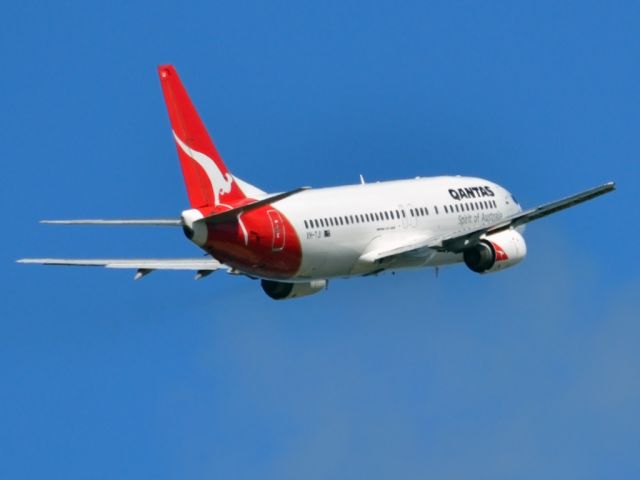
(219, 183)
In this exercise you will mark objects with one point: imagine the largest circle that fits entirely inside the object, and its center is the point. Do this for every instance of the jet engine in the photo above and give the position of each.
(285, 290)
(496, 252)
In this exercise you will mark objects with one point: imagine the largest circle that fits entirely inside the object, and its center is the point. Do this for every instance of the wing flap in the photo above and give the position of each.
(385, 249)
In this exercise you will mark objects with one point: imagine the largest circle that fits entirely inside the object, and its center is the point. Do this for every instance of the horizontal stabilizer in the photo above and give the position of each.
(150, 263)
(152, 222)
(143, 266)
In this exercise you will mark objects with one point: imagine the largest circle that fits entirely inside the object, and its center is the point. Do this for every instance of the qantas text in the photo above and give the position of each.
(471, 192)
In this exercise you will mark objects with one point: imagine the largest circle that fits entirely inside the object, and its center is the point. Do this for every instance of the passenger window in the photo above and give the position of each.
(426, 211)
(306, 225)
(403, 215)
(386, 215)
(446, 210)
(435, 208)
(411, 212)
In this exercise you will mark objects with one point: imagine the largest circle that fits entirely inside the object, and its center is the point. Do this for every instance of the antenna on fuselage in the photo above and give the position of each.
(362, 179)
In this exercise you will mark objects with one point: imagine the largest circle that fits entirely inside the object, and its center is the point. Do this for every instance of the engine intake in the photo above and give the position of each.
(496, 252)
(481, 257)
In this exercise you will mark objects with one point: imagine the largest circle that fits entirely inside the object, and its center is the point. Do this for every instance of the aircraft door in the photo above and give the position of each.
(411, 219)
(277, 226)
(405, 215)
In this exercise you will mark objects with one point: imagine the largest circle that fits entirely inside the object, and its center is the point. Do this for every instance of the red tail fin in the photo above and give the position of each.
(209, 182)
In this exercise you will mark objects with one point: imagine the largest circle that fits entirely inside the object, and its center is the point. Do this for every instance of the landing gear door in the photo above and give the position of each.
(277, 225)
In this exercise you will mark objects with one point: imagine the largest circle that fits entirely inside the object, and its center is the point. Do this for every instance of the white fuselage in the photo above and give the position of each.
(337, 226)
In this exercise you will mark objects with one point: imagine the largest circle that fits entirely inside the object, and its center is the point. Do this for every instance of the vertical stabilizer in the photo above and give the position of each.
(209, 182)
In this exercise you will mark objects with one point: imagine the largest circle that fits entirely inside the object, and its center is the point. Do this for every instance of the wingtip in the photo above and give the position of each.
(166, 70)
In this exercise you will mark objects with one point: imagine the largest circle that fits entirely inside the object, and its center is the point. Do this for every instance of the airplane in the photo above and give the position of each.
(294, 242)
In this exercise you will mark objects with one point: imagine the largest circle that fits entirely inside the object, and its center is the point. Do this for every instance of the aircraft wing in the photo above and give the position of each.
(153, 222)
(144, 266)
(458, 241)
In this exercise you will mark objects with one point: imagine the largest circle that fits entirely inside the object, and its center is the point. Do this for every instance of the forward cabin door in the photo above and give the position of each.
(277, 225)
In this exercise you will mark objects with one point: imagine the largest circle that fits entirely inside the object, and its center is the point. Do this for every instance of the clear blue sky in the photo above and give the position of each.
(531, 373)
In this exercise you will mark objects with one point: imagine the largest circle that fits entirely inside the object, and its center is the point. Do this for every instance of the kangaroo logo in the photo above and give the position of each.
(219, 183)
(501, 255)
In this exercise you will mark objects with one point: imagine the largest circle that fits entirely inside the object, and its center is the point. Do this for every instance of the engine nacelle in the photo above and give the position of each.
(496, 252)
(285, 290)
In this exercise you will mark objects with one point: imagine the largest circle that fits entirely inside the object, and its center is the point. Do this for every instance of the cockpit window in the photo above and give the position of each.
(514, 200)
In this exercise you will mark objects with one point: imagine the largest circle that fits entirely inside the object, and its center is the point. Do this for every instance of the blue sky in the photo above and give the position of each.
(530, 373)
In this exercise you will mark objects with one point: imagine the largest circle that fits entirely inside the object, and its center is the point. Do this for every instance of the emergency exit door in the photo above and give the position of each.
(277, 225)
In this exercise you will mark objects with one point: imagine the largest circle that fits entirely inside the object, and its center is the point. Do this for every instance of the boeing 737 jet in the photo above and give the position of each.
(296, 241)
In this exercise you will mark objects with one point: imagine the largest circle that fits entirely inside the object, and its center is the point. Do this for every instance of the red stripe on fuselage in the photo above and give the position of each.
(257, 252)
